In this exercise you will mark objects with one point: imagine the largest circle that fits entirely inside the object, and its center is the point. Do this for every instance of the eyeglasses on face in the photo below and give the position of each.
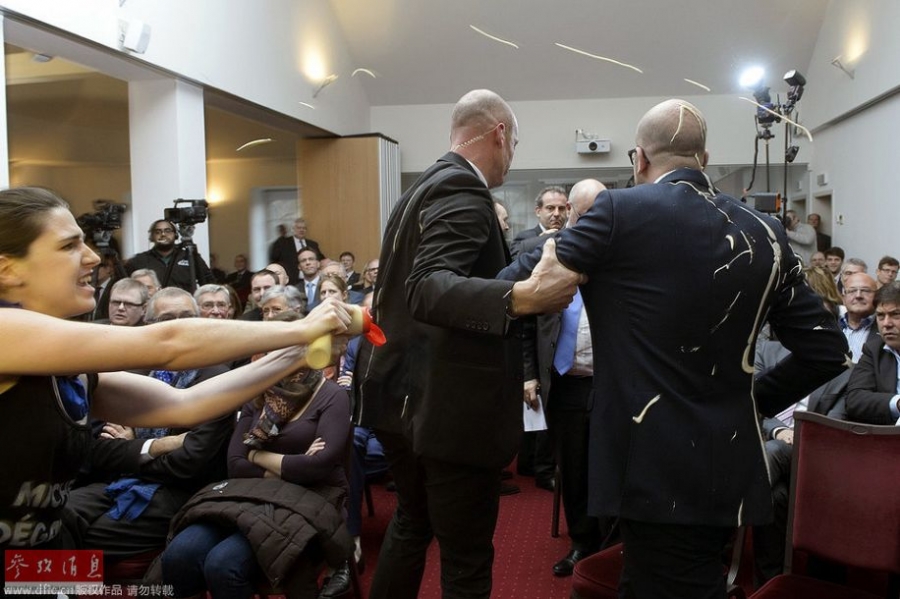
(857, 290)
(173, 316)
(113, 303)
(165, 231)
(633, 151)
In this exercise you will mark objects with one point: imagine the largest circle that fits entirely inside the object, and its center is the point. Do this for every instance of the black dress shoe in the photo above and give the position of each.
(548, 484)
(338, 585)
(508, 489)
(565, 566)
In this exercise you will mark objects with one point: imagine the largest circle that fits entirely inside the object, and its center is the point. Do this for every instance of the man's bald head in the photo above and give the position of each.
(480, 109)
(483, 130)
(672, 135)
(582, 197)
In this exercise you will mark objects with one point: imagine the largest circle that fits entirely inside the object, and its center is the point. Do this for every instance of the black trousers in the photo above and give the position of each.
(455, 503)
(568, 426)
(672, 561)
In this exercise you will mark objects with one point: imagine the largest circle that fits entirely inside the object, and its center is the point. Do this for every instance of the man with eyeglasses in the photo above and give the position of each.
(888, 267)
(214, 301)
(163, 235)
(675, 448)
(873, 393)
(859, 306)
(126, 303)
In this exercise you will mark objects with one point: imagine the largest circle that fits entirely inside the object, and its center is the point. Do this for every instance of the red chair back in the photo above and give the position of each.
(846, 490)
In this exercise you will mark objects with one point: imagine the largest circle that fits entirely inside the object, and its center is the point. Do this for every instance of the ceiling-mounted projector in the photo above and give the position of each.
(592, 146)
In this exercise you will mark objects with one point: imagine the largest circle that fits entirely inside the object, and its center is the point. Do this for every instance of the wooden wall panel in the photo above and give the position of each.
(339, 181)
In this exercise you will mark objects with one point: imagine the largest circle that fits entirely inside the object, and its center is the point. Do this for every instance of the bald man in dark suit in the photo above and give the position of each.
(680, 279)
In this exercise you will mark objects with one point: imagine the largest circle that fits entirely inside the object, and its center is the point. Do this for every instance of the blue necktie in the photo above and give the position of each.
(564, 358)
(311, 299)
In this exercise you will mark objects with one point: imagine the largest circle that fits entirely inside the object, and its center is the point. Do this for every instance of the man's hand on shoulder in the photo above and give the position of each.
(550, 288)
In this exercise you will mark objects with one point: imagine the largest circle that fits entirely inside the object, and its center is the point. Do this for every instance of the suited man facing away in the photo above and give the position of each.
(444, 394)
(675, 447)
(550, 207)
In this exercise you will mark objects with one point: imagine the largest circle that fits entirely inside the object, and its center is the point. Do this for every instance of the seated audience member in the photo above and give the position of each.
(834, 261)
(261, 281)
(873, 392)
(851, 266)
(352, 297)
(286, 458)
(817, 259)
(284, 250)
(277, 300)
(348, 260)
(239, 280)
(369, 276)
(148, 278)
(127, 301)
(279, 271)
(821, 281)
(858, 320)
(149, 472)
(214, 301)
(887, 270)
(106, 275)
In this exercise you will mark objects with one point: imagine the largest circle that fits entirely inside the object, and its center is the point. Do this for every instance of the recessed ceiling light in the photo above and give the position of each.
(366, 71)
(41, 58)
(307, 105)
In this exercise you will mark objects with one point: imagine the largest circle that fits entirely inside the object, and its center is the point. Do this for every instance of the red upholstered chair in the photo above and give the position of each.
(845, 506)
(597, 576)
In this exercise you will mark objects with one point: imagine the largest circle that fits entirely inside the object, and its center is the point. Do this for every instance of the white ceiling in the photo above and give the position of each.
(425, 52)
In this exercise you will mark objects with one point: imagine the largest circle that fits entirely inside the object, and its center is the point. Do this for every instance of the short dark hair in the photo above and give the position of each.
(264, 272)
(352, 257)
(835, 251)
(888, 294)
(888, 261)
(539, 200)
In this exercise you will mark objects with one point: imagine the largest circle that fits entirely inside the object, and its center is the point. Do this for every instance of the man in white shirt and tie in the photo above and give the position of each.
(308, 263)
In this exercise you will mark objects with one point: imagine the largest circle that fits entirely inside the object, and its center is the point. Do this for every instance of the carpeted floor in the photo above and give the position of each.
(525, 551)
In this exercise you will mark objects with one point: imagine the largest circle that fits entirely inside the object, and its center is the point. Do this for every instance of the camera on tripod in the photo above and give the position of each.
(187, 212)
(107, 216)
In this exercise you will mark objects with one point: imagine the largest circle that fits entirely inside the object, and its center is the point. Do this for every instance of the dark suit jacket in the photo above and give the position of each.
(284, 251)
(450, 373)
(823, 242)
(680, 280)
(515, 247)
(872, 384)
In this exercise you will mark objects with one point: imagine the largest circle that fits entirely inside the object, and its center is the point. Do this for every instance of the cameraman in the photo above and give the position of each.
(163, 235)
(801, 237)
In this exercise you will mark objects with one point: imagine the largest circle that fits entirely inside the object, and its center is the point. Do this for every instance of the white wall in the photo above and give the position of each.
(547, 131)
(857, 152)
(260, 51)
(860, 158)
(864, 34)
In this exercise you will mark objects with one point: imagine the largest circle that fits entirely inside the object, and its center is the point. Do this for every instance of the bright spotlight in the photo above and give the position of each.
(751, 77)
